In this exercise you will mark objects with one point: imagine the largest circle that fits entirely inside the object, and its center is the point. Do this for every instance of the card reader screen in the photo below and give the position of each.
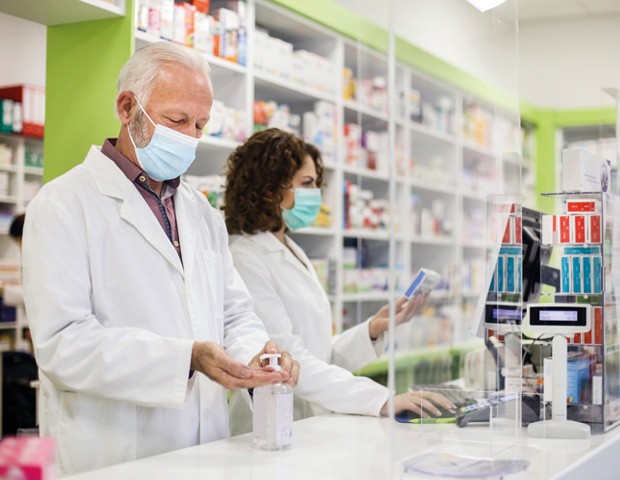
(503, 314)
(562, 316)
(558, 316)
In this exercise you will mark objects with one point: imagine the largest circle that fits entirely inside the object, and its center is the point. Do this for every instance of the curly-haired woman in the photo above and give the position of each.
(272, 186)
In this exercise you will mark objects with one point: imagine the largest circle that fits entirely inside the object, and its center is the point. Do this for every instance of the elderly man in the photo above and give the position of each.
(139, 320)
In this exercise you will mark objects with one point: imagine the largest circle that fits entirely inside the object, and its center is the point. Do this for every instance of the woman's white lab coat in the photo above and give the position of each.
(296, 312)
(114, 315)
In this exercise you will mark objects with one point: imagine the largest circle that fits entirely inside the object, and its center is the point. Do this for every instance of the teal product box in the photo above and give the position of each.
(597, 275)
(510, 273)
(578, 375)
(500, 273)
(516, 251)
(587, 274)
(566, 274)
(6, 115)
(576, 264)
(519, 277)
(582, 250)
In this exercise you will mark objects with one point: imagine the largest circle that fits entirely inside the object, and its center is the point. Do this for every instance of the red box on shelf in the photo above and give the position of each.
(32, 98)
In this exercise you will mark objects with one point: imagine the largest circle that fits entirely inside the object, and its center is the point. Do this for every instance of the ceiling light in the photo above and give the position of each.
(484, 5)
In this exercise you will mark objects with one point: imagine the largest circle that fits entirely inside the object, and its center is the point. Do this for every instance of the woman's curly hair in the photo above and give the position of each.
(256, 174)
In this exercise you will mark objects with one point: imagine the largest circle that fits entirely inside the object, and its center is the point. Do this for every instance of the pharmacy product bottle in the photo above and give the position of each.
(272, 417)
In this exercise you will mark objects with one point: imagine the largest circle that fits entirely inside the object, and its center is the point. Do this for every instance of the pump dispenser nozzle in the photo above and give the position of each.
(273, 360)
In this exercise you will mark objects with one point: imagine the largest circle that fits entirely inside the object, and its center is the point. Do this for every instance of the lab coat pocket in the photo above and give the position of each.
(94, 432)
(213, 265)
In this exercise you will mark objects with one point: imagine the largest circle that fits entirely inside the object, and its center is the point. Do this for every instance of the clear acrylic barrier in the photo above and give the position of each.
(486, 434)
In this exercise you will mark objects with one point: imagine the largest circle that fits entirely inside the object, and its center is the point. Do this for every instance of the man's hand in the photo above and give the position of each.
(212, 360)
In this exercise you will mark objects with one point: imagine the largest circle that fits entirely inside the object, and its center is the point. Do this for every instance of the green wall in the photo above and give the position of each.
(83, 61)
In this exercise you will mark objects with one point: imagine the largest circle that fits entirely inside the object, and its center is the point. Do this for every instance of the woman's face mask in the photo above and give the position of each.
(169, 153)
(305, 210)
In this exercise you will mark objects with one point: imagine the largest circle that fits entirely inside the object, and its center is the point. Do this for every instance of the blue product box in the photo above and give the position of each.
(504, 250)
(587, 274)
(597, 275)
(500, 273)
(578, 375)
(576, 264)
(510, 273)
(566, 275)
(582, 250)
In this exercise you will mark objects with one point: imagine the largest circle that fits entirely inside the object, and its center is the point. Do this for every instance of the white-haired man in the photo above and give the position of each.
(140, 322)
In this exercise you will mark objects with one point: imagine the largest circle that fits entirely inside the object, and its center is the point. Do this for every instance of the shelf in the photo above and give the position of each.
(36, 171)
(8, 168)
(364, 110)
(216, 63)
(475, 195)
(471, 147)
(285, 90)
(8, 199)
(57, 12)
(318, 231)
(438, 241)
(474, 244)
(408, 358)
(364, 172)
(425, 130)
(433, 186)
(220, 143)
(366, 234)
(379, 296)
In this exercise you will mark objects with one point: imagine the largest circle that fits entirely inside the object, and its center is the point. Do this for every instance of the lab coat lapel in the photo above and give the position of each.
(111, 182)
(189, 215)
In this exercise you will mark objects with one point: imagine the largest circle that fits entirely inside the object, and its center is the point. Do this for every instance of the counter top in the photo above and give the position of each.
(367, 448)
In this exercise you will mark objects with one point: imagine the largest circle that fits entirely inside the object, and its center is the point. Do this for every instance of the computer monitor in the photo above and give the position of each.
(535, 258)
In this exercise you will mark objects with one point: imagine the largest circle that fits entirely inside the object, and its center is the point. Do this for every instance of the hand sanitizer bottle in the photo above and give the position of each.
(272, 418)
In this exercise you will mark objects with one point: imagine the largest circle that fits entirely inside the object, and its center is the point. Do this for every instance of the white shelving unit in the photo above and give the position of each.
(444, 170)
(24, 178)
(446, 167)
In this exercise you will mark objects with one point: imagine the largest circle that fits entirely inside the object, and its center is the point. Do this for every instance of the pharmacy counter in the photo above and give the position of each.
(347, 446)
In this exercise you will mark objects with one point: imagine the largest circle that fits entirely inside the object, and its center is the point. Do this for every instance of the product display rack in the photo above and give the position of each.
(594, 357)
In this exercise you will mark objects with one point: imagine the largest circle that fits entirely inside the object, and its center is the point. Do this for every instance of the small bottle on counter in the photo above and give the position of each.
(272, 418)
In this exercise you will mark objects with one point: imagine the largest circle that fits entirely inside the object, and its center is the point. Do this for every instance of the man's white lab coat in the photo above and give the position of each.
(114, 314)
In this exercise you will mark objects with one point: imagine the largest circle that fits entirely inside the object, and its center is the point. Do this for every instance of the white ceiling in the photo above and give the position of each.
(531, 11)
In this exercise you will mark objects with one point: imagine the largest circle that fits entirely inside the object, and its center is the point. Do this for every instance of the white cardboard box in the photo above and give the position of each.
(583, 171)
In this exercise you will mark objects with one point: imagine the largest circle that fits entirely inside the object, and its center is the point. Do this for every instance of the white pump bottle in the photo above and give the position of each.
(272, 417)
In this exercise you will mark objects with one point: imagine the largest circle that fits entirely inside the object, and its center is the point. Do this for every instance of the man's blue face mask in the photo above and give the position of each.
(169, 153)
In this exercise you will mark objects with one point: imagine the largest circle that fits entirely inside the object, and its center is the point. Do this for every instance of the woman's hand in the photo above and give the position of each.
(405, 309)
(425, 403)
